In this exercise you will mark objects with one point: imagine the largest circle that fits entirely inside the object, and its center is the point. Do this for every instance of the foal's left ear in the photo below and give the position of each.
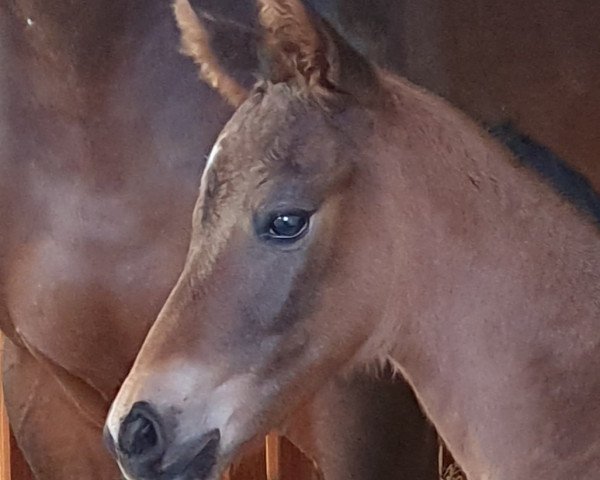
(302, 47)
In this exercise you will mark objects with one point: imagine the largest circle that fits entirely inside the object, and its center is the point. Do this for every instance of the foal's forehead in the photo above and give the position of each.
(275, 129)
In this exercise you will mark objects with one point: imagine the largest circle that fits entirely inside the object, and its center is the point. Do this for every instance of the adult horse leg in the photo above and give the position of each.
(57, 441)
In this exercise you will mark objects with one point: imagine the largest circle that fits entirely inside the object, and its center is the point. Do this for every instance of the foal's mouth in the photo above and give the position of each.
(194, 461)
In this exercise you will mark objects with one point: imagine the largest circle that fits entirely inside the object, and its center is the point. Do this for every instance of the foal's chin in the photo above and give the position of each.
(225, 457)
(199, 468)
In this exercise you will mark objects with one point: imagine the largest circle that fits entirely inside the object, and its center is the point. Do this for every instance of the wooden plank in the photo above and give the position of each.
(19, 469)
(227, 474)
(273, 456)
(252, 466)
(4, 429)
(294, 465)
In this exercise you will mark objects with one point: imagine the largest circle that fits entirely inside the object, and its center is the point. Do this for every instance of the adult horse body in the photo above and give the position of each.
(103, 134)
(355, 218)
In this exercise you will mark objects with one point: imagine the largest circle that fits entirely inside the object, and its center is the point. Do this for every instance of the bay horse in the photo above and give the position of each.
(348, 217)
(104, 131)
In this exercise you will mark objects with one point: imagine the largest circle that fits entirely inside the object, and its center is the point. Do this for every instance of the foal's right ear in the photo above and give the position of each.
(195, 43)
(300, 46)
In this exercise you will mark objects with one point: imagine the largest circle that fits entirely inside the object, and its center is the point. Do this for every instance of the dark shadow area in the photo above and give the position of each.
(571, 184)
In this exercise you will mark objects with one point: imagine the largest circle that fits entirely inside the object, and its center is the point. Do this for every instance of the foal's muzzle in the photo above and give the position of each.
(145, 450)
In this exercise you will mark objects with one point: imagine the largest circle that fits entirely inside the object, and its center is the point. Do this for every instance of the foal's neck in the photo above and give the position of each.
(497, 287)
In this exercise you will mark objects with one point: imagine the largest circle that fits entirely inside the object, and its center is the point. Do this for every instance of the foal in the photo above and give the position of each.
(346, 217)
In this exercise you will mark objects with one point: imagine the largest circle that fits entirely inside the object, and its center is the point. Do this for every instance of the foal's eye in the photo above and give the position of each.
(287, 226)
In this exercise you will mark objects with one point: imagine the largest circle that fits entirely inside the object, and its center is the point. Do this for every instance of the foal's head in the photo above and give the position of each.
(277, 290)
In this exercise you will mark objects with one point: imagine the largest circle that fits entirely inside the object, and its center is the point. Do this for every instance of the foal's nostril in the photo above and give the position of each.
(140, 434)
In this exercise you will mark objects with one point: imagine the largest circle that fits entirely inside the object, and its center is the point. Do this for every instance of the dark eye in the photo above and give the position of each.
(288, 226)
